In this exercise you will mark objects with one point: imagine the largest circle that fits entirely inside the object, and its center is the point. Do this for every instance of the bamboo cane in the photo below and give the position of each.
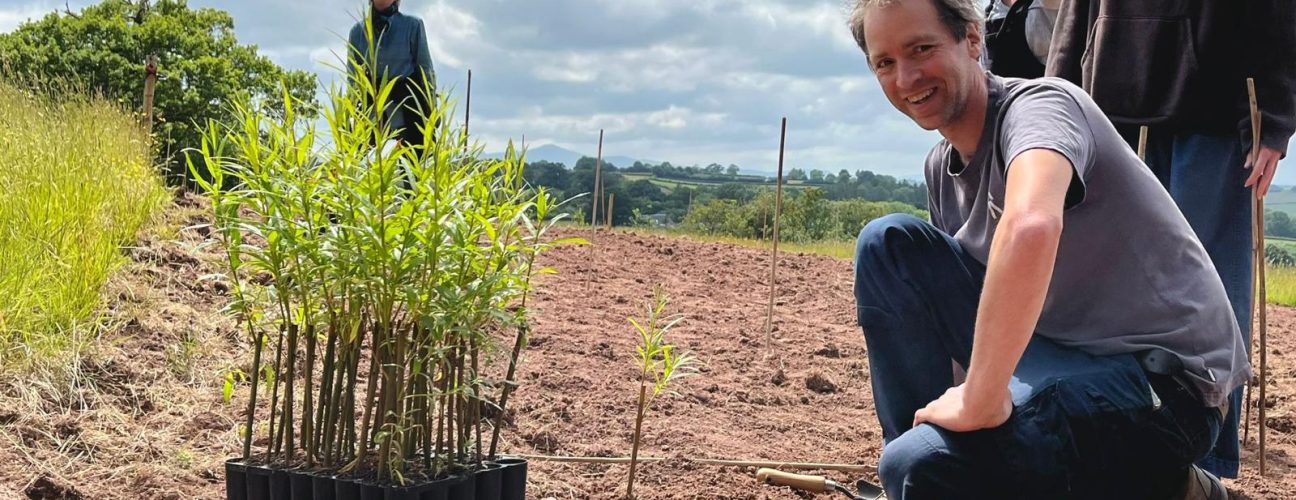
(778, 210)
(1258, 210)
(607, 220)
(634, 450)
(1142, 144)
(1250, 383)
(598, 182)
(857, 468)
(598, 193)
(467, 109)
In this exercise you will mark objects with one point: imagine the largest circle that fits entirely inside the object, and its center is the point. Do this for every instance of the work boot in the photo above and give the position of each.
(1202, 485)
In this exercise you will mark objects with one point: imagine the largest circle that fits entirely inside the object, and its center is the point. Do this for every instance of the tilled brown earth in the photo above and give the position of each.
(155, 425)
(806, 399)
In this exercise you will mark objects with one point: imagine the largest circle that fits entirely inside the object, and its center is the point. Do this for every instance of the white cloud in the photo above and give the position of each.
(12, 16)
(450, 29)
(687, 81)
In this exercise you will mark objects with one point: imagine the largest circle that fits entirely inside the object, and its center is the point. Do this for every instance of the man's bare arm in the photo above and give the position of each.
(1020, 267)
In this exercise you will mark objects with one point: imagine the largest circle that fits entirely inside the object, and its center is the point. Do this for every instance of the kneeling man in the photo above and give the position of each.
(1098, 342)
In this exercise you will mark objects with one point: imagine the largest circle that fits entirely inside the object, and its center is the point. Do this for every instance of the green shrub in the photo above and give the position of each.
(808, 216)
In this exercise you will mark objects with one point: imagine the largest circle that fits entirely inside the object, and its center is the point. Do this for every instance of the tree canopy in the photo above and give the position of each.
(203, 68)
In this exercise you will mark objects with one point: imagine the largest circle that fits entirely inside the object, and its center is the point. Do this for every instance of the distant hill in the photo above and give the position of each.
(552, 153)
(559, 154)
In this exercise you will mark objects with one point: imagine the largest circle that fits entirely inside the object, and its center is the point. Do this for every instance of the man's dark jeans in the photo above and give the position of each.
(1082, 426)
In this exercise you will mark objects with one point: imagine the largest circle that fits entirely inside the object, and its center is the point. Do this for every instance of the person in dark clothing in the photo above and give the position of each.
(1017, 36)
(401, 54)
(1180, 68)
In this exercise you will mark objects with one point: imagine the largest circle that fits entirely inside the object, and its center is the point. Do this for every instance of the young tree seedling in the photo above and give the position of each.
(659, 365)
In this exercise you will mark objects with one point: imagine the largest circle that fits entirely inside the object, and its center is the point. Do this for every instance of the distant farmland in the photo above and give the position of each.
(1282, 201)
(670, 184)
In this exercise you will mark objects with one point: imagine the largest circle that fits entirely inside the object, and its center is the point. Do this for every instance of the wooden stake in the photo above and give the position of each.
(598, 181)
(611, 202)
(1142, 145)
(598, 192)
(778, 210)
(707, 461)
(1258, 211)
(467, 109)
(1251, 381)
(150, 86)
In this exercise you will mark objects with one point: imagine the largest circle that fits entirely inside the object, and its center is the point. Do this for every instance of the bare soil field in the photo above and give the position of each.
(147, 420)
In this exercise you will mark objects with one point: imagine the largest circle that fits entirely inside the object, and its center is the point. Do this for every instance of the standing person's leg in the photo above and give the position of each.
(404, 96)
(1206, 182)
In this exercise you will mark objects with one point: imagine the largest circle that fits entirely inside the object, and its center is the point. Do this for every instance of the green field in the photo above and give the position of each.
(1282, 201)
(669, 185)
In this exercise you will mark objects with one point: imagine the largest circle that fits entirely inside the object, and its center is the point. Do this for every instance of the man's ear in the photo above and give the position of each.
(974, 40)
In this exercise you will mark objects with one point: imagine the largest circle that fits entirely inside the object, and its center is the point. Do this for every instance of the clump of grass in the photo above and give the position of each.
(659, 365)
(76, 185)
(1281, 285)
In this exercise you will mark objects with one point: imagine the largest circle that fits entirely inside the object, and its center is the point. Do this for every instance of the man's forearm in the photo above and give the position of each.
(1020, 267)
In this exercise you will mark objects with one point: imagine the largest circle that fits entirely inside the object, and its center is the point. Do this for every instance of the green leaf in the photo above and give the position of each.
(228, 390)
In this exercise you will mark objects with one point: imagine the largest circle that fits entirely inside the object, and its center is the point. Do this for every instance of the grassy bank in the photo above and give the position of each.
(76, 185)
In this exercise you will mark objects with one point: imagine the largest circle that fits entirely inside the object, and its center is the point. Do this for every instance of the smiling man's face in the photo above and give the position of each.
(925, 72)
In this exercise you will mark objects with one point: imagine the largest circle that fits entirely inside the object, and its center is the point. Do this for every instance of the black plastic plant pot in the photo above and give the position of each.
(464, 489)
(300, 482)
(268, 483)
(489, 480)
(258, 483)
(280, 485)
(370, 491)
(427, 490)
(235, 479)
(441, 488)
(513, 482)
(322, 486)
(345, 489)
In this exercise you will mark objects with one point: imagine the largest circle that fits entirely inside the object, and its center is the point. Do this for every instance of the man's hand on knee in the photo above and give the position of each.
(955, 412)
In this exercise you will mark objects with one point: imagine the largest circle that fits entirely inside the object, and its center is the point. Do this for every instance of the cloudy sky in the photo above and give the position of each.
(685, 81)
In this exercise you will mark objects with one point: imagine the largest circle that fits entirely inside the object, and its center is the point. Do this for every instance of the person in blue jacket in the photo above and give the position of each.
(401, 54)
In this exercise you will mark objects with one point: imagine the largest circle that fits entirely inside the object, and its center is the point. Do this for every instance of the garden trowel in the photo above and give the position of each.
(819, 484)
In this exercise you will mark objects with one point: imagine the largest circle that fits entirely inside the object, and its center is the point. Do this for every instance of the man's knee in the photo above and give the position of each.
(884, 235)
(912, 459)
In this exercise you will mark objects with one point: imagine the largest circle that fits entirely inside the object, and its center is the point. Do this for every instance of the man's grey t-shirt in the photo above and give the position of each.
(1130, 274)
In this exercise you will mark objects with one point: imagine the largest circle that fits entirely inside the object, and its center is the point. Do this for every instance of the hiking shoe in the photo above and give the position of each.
(1202, 485)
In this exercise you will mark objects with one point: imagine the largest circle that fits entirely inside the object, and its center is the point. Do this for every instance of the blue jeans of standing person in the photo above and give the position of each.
(1204, 175)
(1082, 426)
